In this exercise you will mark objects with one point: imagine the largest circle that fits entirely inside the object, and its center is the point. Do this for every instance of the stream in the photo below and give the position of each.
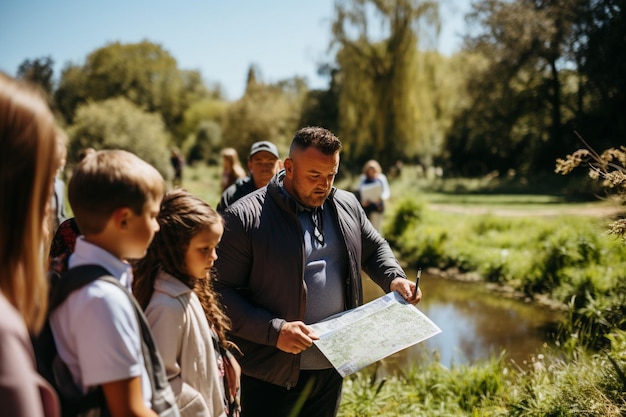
(476, 324)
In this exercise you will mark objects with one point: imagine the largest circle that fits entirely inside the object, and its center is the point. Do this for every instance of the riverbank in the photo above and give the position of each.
(564, 261)
(503, 290)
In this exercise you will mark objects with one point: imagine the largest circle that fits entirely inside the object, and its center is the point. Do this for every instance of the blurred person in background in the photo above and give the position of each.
(232, 170)
(263, 164)
(373, 191)
(57, 202)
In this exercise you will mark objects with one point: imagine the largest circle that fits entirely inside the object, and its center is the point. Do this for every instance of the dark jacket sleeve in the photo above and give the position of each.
(377, 259)
(233, 267)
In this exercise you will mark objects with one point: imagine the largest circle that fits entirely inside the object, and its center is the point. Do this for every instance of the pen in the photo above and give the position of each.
(417, 282)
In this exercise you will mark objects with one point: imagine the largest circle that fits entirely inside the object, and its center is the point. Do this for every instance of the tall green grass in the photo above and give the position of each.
(568, 259)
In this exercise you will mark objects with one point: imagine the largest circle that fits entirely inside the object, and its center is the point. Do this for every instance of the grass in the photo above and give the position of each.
(569, 259)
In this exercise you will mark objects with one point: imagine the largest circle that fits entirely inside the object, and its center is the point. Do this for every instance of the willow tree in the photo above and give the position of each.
(376, 45)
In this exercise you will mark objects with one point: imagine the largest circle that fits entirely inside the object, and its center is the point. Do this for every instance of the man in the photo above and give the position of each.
(263, 163)
(291, 255)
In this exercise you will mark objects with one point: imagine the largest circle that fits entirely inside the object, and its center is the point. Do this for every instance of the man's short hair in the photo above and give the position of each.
(263, 146)
(107, 180)
(317, 137)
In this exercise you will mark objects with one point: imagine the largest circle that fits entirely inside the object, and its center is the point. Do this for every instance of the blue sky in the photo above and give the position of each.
(220, 38)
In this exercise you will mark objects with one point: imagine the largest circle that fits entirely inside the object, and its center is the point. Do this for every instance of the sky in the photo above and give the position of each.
(219, 38)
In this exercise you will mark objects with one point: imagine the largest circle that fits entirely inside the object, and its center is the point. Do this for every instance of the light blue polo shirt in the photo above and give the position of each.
(96, 329)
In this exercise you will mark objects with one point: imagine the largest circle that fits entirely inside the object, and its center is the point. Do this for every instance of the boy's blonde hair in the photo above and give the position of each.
(29, 160)
(107, 180)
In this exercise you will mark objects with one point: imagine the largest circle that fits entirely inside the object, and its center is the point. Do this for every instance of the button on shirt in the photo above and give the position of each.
(325, 271)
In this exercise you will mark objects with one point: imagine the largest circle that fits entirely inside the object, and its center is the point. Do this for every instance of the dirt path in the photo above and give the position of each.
(588, 211)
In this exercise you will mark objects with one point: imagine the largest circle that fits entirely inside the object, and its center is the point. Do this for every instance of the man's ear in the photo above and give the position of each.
(121, 217)
(288, 164)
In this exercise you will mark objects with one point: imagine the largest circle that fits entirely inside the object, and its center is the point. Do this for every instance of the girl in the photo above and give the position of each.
(173, 285)
(232, 170)
(29, 159)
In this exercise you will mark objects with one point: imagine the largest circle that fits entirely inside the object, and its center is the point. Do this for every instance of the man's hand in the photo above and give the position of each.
(406, 288)
(295, 336)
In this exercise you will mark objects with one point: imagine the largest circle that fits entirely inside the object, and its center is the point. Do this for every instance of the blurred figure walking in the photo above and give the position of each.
(373, 191)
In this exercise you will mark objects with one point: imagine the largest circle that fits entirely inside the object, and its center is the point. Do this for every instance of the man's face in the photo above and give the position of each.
(263, 166)
(309, 175)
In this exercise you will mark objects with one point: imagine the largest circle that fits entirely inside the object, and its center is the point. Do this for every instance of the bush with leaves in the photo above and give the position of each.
(119, 124)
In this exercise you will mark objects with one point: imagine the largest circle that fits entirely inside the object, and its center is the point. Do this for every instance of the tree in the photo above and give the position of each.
(206, 145)
(198, 113)
(379, 102)
(526, 92)
(602, 34)
(71, 91)
(265, 112)
(117, 123)
(144, 73)
(320, 107)
(38, 71)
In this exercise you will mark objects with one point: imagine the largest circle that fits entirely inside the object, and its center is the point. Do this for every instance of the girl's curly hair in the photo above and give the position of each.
(181, 217)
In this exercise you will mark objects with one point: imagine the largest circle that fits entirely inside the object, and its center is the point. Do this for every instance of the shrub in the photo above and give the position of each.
(119, 124)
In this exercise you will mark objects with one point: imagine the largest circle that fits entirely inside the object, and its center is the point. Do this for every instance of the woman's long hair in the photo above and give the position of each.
(182, 216)
(29, 159)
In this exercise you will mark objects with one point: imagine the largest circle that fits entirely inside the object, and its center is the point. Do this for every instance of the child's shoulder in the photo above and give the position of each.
(100, 300)
(170, 294)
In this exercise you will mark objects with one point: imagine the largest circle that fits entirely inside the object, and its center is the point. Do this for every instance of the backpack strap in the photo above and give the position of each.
(72, 280)
(163, 398)
(61, 287)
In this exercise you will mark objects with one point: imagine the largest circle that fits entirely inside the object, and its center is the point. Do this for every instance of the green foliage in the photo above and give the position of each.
(381, 78)
(580, 385)
(537, 254)
(143, 73)
(550, 384)
(608, 168)
(206, 143)
(593, 316)
(204, 181)
(265, 112)
(198, 114)
(320, 108)
(407, 213)
(563, 382)
(542, 72)
(119, 124)
(568, 258)
(38, 71)
(427, 390)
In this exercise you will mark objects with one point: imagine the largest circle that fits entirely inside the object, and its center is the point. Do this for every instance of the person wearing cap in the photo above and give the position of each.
(263, 163)
(292, 254)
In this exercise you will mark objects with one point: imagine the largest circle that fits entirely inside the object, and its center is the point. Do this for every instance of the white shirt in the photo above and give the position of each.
(96, 329)
(183, 336)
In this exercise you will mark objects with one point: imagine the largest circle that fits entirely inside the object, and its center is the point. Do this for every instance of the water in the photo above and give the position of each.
(476, 324)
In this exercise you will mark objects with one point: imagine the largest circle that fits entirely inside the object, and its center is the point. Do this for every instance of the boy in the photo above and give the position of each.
(115, 197)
